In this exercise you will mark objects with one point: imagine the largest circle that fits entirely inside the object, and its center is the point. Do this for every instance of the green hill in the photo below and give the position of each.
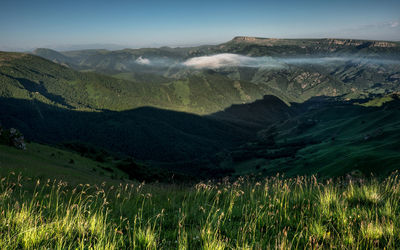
(344, 66)
(331, 138)
(30, 77)
(324, 106)
(43, 162)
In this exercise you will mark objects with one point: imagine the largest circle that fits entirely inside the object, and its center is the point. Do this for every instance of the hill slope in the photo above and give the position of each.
(30, 77)
(243, 126)
(327, 137)
(43, 162)
(303, 67)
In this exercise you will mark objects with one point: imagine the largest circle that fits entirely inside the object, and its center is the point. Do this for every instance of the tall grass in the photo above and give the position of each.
(274, 213)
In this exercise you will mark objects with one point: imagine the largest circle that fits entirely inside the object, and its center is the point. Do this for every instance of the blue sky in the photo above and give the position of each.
(63, 24)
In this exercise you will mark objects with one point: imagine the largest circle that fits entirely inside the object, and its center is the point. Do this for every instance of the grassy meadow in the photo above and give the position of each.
(274, 213)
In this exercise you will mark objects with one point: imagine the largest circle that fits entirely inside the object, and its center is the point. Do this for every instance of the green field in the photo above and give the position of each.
(275, 213)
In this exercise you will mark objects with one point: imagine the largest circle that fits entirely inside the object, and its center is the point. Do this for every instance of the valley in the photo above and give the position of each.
(247, 106)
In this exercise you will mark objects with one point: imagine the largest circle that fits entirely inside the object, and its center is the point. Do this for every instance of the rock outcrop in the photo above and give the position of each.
(12, 137)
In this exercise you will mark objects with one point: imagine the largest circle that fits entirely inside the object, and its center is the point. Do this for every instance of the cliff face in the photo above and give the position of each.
(257, 40)
(248, 39)
(384, 44)
(351, 42)
(313, 42)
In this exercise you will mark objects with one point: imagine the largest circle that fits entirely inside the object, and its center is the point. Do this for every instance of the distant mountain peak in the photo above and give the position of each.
(250, 39)
(38, 50)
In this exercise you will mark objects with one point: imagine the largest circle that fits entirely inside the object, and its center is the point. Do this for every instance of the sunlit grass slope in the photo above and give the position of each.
(274, 213)
(41, 161)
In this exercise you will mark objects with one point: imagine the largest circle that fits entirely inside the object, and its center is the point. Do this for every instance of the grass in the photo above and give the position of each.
(277, 212)
(378, 102)
(42, 162)
(343, 139)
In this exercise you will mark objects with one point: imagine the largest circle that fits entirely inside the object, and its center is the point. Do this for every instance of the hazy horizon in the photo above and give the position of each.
(112, 47)
(75, 25)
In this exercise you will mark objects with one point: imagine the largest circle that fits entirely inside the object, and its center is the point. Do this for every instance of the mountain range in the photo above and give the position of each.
(250, 105)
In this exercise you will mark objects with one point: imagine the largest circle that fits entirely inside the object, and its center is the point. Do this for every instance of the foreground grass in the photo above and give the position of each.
(275, 213)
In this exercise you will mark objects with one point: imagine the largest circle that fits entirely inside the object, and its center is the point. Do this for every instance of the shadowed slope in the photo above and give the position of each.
(145, 133)
(258, 114)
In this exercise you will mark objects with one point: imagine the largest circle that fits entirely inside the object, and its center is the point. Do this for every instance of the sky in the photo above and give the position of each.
(63, 25)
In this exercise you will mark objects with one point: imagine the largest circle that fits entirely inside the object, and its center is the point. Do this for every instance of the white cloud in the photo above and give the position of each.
(394, 24)
(228, 60)
(235, 60)
(215, 61)
(143, 61)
